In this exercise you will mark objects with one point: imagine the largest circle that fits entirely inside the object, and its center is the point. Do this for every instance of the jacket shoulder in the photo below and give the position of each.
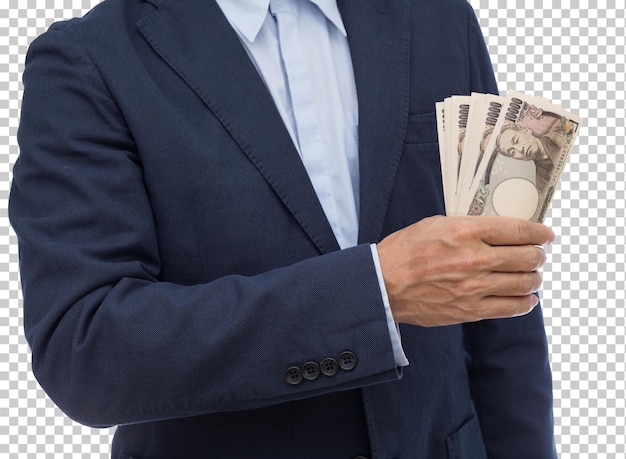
(105, 21)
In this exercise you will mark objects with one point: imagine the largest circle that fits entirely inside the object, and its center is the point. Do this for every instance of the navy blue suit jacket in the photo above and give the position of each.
(176, 261)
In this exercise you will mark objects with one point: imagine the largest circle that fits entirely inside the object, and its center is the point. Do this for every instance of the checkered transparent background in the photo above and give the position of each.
(572, 52)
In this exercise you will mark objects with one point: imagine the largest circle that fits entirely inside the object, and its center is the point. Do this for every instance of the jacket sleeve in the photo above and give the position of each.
(510, 377)
(112, 343)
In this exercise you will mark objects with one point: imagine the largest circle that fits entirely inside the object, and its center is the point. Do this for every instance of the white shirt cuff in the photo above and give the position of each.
(394, 330)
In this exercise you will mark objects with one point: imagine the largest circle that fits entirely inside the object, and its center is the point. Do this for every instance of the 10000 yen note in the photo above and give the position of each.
(524, 158)
(441, 135)
(452, 123)
(456, 129)
(484, 110)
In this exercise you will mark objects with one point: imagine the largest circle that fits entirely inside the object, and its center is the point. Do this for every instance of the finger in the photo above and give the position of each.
(522, 258)
(510, 284)
(513, 231)
(495, 307)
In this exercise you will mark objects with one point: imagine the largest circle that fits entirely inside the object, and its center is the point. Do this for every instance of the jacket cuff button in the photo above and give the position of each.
(329, 367)
(310, 371)
(293, 375)
(347, 361)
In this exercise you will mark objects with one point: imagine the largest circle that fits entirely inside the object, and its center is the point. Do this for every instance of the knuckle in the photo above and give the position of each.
(538, 281)
(530, 232)
(471, 228)
(541, 255)
(536, 258)
(527, 283)
(532, 283)
(470, 288)
(465, 261)
(522, 231)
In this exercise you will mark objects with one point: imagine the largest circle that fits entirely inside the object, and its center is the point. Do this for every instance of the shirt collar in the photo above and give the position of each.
(331, 11)
(248, 16)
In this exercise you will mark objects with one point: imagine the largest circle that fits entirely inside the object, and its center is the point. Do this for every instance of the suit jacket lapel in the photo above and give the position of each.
(197, 42)
(379, 37)
(195, 39)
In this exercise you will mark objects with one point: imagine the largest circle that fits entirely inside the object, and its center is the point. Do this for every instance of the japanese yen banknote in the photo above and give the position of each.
(503, 155)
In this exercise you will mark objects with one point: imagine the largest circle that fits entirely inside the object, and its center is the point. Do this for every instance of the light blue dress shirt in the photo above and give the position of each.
(300, 49)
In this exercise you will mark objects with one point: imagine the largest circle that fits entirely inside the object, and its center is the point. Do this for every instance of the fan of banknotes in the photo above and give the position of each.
(502, 155)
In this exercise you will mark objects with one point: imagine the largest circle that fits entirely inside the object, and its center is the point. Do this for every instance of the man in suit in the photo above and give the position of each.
(191, 275)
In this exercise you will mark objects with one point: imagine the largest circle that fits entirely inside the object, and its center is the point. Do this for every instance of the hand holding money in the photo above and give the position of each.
(502, 155)
(450, 270)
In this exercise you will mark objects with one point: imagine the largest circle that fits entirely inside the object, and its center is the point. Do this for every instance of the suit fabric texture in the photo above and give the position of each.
(176, 261)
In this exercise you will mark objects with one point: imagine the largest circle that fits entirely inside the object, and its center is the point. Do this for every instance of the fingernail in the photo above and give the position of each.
(551, 237)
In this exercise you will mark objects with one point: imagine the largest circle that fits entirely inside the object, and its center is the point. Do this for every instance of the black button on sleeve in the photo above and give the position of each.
(347, 361)
(310, 371)
(329, 367)
(293, 375)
